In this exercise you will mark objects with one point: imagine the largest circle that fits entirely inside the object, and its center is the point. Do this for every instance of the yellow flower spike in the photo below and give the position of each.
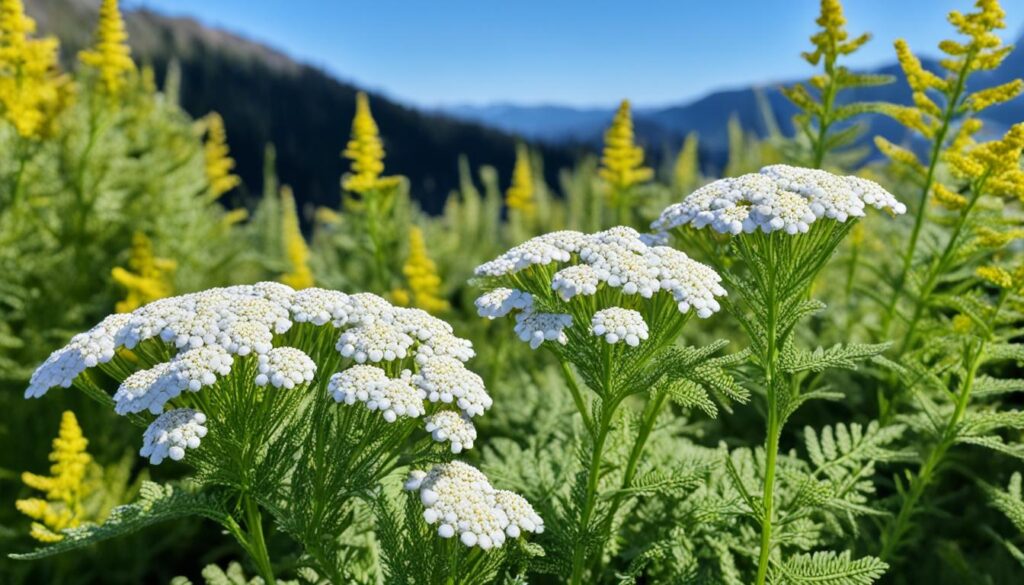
(366, 151)
(295, 249)
(64, 488)
(32, 91)
(962, 324)
(947, 198)
(400, 297)
(235, 216)
(110, 55)
(622, 160)
(519, 196)
(327, 216)
(995, 276)
(686, 171)
(985, 98)
(898, 154)
(831, 39)
(918, 78)
(217, 157)
(147, 277)
(421, 274)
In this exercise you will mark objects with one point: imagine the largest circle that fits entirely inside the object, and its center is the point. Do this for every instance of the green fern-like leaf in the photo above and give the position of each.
(827, 568)
(156, 503)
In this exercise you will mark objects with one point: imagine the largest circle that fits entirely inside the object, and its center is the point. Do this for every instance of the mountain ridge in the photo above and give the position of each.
(267, 97)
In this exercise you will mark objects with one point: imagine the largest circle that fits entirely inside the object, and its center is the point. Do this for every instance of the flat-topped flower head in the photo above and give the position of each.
(172, 433)
(85, 350)
(619, 267)
(374, 341)
(778, 198)
(197, 342)
(535, 328)
(460, 500)
(521, 515)
(452, 427)
(285, 367)
(447, 380)
(619, 325)
(502, 301)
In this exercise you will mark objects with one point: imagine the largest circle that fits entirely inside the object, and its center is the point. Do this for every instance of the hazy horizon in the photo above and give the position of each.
(459, 53)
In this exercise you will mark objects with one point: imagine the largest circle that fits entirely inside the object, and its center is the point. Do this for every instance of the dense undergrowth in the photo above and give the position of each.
(805, 372)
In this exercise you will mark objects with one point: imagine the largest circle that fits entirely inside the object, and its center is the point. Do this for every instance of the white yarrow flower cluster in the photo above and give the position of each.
(618, 325)
(394, 397)
(778, 198)
(457, 429)
(205, 332)
(85, 350)
(171, 433)
(461, 501)
(536, 328)
(191, 370)
(285, 367)
(447, 380)
(502, 301)
(618, 258)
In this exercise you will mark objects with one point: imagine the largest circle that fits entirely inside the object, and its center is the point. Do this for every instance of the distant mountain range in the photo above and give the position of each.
(663, 128)
(267, 97)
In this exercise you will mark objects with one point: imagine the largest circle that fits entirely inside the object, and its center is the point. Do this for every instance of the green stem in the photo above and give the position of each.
(579, 553)
(825, 121)
(773, 430)
(933, 161)
(577, 396)
(257, 543)
(939, 267)
(373, 221)
(892, 537)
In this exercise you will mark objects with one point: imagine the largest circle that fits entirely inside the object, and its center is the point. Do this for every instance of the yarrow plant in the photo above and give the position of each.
(612, 305)
(787, 222)
(300, 404)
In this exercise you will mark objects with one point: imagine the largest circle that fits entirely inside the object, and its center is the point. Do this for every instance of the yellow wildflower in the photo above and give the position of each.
(831, 41)
(965, 135)
(32, 91)
(295, 249)
(520, 195)
(622, 161)
(898, 153)
(400, 297)
(235, 216)
(217, 157)
(947, 198)
(421, 274)
(110, 55)
(327, 216)
(985, 98)
(366, 152)
(918, 78)
(962, 324)
(995, 275)
(686, 171)
(64, 488)
(997, 162)
(147, 277)
(990, 238)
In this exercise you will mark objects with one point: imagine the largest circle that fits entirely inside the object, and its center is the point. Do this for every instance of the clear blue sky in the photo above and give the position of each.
(580, 52)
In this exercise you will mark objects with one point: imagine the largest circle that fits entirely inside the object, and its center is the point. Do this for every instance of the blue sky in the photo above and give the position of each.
(580, 52)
